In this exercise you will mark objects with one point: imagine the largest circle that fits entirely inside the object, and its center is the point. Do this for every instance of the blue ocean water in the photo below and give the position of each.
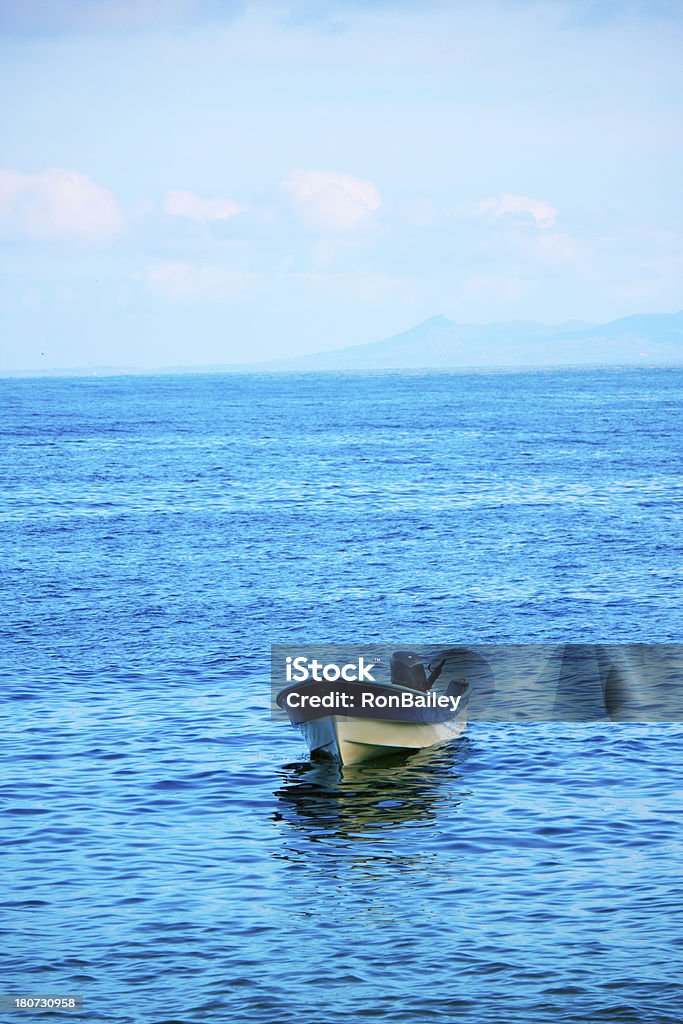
(171, 853)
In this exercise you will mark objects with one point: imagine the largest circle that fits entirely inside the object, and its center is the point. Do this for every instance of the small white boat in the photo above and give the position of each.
(358, 722)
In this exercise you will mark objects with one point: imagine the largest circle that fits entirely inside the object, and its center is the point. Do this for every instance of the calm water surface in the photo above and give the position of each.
(172, 854)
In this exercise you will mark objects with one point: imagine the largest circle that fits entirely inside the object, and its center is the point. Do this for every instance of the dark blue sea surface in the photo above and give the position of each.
(171, 853)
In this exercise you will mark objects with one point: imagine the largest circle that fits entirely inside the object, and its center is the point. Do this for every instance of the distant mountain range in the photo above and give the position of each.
(439, 343)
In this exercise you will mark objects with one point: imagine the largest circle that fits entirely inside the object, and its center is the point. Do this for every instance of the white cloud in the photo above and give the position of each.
(185, 282)
(543, 214)
(331, 201)
(54, 204)
(185, 204)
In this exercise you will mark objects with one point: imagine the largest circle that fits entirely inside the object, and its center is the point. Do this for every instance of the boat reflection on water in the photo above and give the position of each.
(325, 799)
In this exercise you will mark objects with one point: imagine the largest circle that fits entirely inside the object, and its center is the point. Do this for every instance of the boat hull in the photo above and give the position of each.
(354, 740)
(370, 720)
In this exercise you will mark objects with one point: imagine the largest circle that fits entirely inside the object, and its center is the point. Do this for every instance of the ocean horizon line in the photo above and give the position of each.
(236, 370)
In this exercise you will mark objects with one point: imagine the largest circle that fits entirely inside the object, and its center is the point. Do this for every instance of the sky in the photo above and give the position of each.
(195, 182)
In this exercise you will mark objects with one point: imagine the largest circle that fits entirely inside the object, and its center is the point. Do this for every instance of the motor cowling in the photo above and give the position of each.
(407, 669)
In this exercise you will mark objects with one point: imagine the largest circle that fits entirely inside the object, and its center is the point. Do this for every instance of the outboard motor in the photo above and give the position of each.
(407, 669)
